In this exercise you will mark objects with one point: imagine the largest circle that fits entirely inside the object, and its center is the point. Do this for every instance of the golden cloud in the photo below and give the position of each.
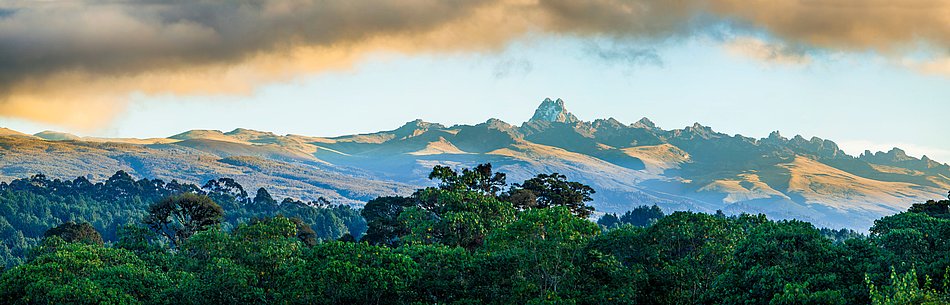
(76, 62)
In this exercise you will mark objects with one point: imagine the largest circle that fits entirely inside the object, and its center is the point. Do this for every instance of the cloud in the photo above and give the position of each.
(764, 51)
(935, 66)
(512, 66)
(84, 58)
(625, 54)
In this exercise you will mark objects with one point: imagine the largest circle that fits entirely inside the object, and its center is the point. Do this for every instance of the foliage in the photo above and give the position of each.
(641, 216)
(480, 179)
(460, 244)
(78, 273)
(31, 206)
(552, 190)
(382, 218)
(178, 217)
(73, 232)
(904, 289)
(352, 273)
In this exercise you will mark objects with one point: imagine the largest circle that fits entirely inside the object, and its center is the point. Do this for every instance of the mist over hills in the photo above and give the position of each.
(693, 168)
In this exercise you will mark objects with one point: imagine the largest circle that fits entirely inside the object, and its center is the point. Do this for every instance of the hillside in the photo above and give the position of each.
(694, 168)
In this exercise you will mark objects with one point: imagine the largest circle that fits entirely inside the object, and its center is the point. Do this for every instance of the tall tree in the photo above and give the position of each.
(382, 219)
(552, 190)
(73, 232)
(642, 216)
(609, 220)
(226, 189)
(263, 201)
(481, 178)
(179, 217)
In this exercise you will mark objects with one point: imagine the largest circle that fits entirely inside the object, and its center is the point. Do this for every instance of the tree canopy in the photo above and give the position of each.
(467, 245)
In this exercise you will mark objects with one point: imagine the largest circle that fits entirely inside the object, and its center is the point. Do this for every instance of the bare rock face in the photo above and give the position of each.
(553, 111)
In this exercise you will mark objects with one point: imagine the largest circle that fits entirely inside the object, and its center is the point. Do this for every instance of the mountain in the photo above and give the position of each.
(693, 168)
(6, 132)
(56, 136)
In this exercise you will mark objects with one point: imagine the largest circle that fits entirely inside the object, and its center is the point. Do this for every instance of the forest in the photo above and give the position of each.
(471, 238)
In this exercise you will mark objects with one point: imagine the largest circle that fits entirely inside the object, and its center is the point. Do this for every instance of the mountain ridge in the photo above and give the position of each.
(694, 168)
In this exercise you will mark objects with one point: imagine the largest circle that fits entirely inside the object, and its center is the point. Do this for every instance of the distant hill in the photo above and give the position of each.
(693, 168)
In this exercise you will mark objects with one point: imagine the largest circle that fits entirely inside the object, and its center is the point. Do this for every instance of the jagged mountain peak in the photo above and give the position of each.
(896, 154)
(776, 135)
(645, 123)
(698, 128)
(419, 123)
(498, 124)
(553, 111)
(610, 123)
(415, 128)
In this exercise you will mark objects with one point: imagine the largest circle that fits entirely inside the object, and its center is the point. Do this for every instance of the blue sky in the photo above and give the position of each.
(861, 101)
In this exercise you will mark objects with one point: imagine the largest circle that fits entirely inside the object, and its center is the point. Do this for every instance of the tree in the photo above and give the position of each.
(915, 238)
(642, 216)
(382, 219)
(263, 201)
(783, 262)
(938, 209)
(481, 178)
(73, 232)
(552, 190)
(454, 217)
(544, 250)
(77, 273)
(226, 189)
(904, 290)
(121, 185)
(351, 273)
(305, 233)
(609, 220)
(179, 217)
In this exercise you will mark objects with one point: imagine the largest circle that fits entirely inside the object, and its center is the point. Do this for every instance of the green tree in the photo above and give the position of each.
(446, 274)
(682, 254)
(545, 250)
(382, 219)
(481, 179)
(455, 217)
(552, 190)
(73, 232)
(786, 261)
(351, 273)
(179, 217)
(305, 233)
(77, 273)
(263, 201)
(914, 239)
(642, 216)
(934, 208)
(904, 289)
(609, 220)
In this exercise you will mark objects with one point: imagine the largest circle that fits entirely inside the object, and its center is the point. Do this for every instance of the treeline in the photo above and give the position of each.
(30, 206)
(473, 239)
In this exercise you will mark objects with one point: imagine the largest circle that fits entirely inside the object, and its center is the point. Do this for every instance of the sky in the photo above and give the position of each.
(868, 74)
